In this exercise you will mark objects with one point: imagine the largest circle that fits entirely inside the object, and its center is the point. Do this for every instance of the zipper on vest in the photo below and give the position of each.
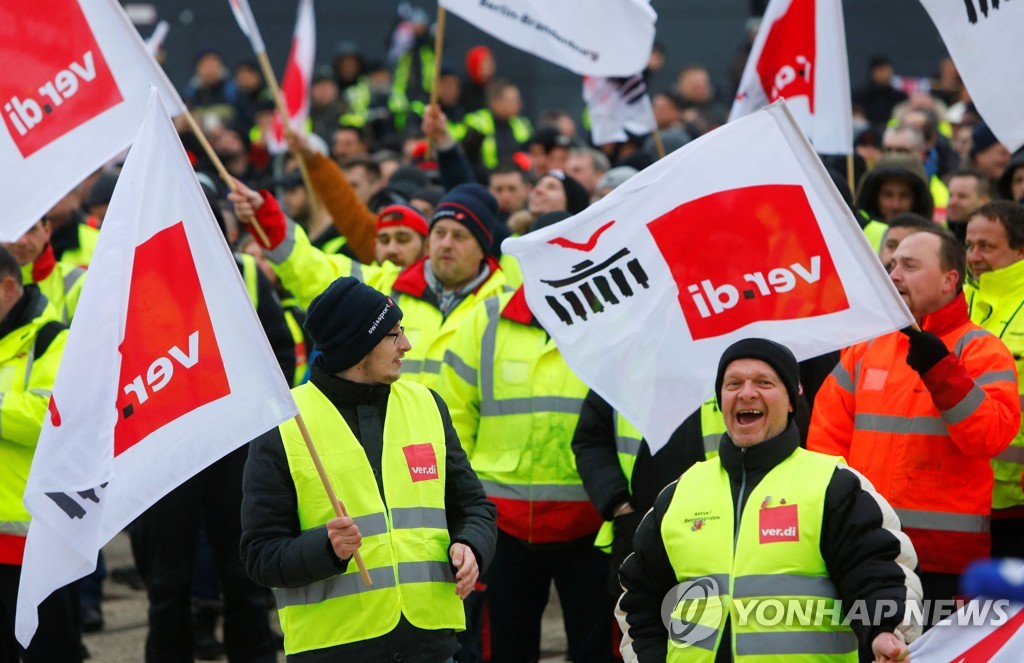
(739, 500)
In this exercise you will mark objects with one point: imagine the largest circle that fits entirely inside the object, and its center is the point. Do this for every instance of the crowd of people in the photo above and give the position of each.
(476, 468)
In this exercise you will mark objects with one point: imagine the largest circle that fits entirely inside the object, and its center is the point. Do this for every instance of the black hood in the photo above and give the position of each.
(1004, 182)
(905, 168)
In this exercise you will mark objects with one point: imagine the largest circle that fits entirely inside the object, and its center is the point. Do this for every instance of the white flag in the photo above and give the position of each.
(156, 40)
(983, 631)
(738, 234)
(589, 37)
(166, 370)
(984, 39)
(800, 55)
(247, 22)
(618, 105)
(75, 81)
(298, 78)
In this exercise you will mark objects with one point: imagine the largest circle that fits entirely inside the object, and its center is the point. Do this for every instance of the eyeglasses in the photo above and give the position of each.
(401, 330)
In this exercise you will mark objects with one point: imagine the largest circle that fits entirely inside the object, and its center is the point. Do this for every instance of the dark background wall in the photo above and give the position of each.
(708, 32)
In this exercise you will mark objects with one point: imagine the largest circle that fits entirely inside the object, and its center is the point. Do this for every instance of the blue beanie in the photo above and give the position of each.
(474, 207)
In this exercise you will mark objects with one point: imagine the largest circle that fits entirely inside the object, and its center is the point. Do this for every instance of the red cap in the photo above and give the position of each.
(402, 215)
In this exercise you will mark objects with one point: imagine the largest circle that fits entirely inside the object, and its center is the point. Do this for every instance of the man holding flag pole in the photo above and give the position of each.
(417, 511)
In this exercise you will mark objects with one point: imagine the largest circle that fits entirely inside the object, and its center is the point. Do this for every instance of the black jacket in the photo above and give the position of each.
(277, 553)
(865, 557)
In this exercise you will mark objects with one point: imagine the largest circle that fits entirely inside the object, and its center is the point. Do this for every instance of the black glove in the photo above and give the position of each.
(926, 350)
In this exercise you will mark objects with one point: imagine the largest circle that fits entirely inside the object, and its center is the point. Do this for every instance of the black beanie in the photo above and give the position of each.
(774, 354)
(576, 197)
(471, 210)
(347, 320)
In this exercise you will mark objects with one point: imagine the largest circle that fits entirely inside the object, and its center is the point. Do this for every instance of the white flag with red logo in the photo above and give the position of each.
(166, 370)
(738, 234)
(799, 55)
(618, 105)
(982, 631)
(984, 39)
(298, 78)
(76, 76)
(589, 37)
(247, 22)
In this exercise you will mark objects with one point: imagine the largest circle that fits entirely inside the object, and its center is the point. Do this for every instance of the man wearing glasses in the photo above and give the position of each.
(416, 511)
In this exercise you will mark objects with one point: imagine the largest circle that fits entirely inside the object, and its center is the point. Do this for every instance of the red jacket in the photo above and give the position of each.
(925, 442)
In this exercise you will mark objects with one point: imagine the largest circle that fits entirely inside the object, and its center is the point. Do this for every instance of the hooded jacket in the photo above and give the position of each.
(906, 168)
(1004, 182)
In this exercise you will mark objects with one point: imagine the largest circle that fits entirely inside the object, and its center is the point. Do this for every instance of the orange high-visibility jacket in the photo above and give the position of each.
(925, 442)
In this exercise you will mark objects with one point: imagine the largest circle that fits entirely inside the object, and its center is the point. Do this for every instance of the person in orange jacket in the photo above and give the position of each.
(921, 413)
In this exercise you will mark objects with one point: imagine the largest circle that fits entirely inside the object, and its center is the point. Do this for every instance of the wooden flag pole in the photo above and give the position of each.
(223, 172)
(658, 144)
(275, 92)
(438, 51)
(849, 175)
(339, 508)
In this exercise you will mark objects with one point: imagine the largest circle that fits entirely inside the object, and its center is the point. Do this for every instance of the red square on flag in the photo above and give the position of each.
(778, 524)
(422, 462)
(55, 76)
(170, 359)
(745, 255)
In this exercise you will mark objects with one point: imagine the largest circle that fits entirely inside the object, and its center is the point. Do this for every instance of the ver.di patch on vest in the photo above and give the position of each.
(777, 524)
(422, 462)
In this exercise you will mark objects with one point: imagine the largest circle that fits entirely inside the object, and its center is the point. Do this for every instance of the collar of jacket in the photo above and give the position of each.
(1002, 282)
(412, 281)
(518, 310)
(25, 310)
(760, 458)
(947, 318)
(342, 392)
(44, 264)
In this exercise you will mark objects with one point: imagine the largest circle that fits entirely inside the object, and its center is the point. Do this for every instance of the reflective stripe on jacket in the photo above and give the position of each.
(482, 122)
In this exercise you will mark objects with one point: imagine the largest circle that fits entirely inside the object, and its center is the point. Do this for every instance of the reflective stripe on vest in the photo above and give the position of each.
(483, 123)
(943, 522)
(780, 529)
(405, 534)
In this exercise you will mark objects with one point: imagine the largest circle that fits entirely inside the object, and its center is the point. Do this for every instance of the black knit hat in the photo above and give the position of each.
(576, 196)
(347, 320)
(471, 209)
(774, 354)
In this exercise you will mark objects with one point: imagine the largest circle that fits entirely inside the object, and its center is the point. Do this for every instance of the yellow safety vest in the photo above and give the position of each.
(874, 231)
(627, 444)
(405, 534)
(996, 302)
(769, 579)
(25, 382)
(483, 123)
